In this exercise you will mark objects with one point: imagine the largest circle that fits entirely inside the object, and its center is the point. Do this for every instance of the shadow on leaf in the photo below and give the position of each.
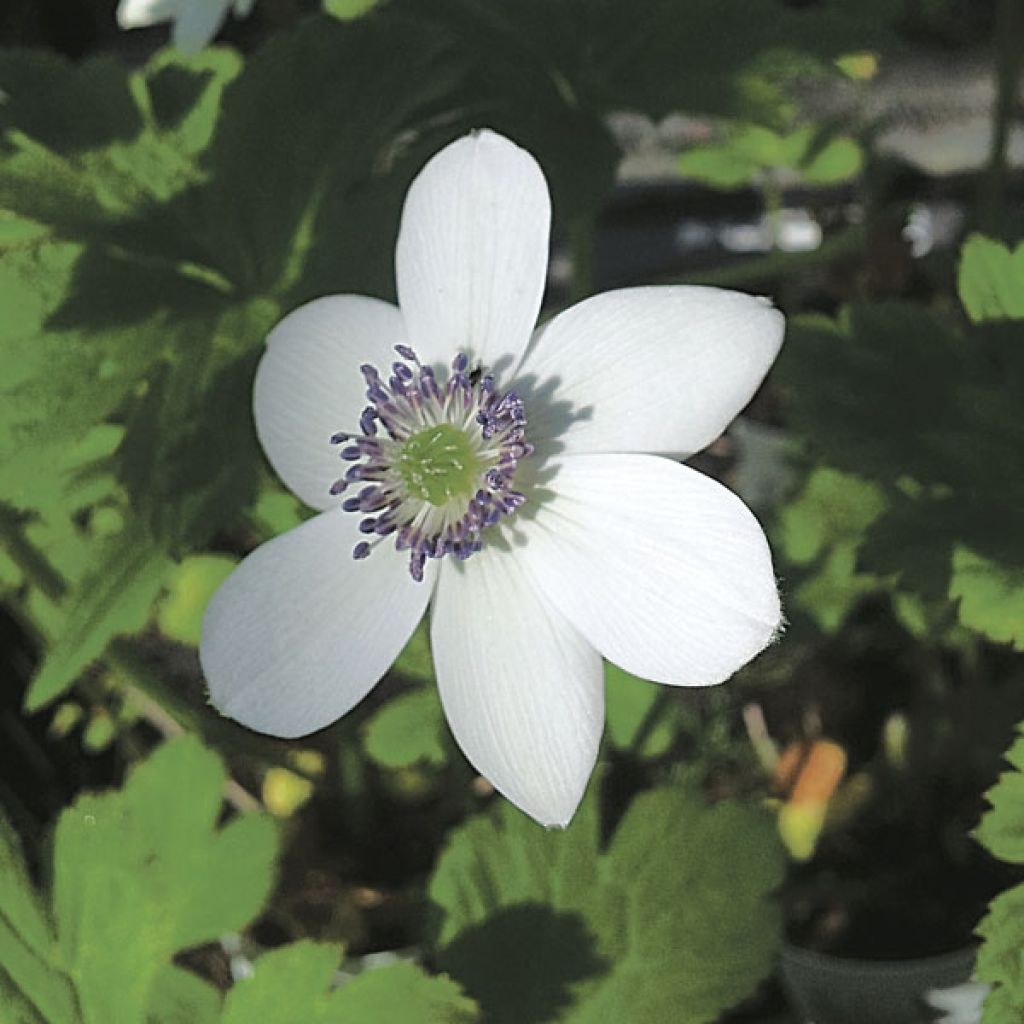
(521, 962)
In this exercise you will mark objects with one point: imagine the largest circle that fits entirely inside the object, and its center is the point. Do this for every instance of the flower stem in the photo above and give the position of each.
(581, 248)
(1009, 31)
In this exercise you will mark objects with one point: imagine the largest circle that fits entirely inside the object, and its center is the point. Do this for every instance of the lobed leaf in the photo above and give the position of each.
(674, 920)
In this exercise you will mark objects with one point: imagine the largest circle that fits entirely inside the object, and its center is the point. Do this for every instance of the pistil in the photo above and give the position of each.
(436, 461)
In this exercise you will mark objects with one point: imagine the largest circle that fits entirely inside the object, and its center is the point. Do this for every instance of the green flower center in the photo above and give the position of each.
(438, 464)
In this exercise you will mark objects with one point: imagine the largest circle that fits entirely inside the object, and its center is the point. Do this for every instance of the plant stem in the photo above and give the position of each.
(581, 248)
(1009, 45)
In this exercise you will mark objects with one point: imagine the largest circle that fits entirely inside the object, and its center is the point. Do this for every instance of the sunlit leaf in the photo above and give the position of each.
(142, 873)
(290, 986)
(990, 596)
(1001, 956)
(838, 160)
(991, 279)
(138, 874)
(190, 585)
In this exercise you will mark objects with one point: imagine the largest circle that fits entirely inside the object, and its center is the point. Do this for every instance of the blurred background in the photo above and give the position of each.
(834, 835)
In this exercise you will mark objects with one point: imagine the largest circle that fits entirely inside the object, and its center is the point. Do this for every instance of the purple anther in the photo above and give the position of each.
(340, 437)
(407, 353)
(361, 550)
(494, 479)
(351, 504)
(367, 525)
(338, 486)
(416, 562)
(367, 421)
(460, 362)
(351, 453)
(401, 370)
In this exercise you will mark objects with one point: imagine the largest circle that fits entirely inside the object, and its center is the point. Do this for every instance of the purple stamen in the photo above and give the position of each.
(410, 401)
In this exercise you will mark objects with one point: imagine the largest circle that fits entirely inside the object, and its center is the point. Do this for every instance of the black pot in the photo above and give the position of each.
(826, 989)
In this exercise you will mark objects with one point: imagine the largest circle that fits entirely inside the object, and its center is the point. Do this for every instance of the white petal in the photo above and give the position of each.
(308, 386)
(197, 24)
(473, 250)
(658, 369)
(299, 633)
(523, 692)
(140, 13)
(663, 570)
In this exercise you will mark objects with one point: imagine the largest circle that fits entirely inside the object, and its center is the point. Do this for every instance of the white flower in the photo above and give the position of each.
(538, 546)
(196, 22)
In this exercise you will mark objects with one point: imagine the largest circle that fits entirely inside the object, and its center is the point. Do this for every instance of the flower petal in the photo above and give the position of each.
(663, 570)
(659, 369)
(299, 633)
(308, 386)
(472, 252)
(197, 23)
(523, 691)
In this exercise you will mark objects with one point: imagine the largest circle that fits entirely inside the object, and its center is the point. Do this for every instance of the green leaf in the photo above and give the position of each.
(115, 598)
(403, 994)
(190, 585)
(720, 166)
(1002, 828)
(837, 160)
(27, 945)
(822, 529)
(349, 10)
(416, 661)
(991, 280)
(990, 596)
(1001, 956)
(629, 703)
(177, 996)
(138, 875)
(409, 729)
(290, 986)
(674, 921)
(142, 873)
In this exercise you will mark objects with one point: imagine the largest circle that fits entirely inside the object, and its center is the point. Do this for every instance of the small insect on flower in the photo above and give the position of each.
(519, 482)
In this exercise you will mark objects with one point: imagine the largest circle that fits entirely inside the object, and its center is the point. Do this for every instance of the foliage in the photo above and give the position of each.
(142, 185)
(142, 873)
(750, 150)
(1001, 957)
(672, 920)
(942, 524)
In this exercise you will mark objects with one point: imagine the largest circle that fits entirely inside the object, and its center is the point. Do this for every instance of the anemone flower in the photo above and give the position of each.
(521, 483)
(196, 22)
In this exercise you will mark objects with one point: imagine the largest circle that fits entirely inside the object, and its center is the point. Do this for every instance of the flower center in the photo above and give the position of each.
(434, 463)
(439, 464)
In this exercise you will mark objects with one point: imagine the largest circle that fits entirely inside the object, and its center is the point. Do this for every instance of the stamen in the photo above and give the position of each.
(436, 461)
